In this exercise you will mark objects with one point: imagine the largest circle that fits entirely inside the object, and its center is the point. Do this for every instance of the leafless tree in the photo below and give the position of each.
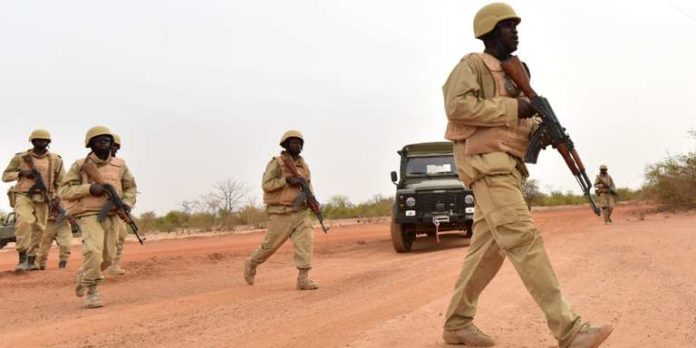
(229, 195)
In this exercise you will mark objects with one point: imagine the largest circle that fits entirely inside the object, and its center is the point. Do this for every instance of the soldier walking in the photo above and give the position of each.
(115, 268)
(280, 189)
(38, 173)
(489, 123)
(85, 198)
(61, 232)
(606, 190)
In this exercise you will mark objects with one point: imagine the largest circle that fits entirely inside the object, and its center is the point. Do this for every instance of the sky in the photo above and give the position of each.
(201, 91)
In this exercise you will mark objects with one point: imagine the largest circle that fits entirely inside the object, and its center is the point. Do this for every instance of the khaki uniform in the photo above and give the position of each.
(32, 212)
(283, 221)
(98, 238)
(604, 184)
(120, 241)
(62, 234)
(489, 142)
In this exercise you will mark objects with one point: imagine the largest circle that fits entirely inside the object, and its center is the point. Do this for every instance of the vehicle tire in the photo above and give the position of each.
(402, 241)
(469, 229)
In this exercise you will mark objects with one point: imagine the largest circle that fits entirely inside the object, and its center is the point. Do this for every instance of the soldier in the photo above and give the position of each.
(489, 123)
(84, 198)
(32, 209)
(280, 188)
(61, 232)
(606, 190)
(115, 268)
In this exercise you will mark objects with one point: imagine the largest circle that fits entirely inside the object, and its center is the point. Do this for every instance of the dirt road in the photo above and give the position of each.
(636, 274)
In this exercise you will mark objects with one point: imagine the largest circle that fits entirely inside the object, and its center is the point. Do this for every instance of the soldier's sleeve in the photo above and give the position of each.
(597, 181)
(273, 178)
(465, 106)
(11, 173)
(130, 189)
(71, 187)
(59, 173)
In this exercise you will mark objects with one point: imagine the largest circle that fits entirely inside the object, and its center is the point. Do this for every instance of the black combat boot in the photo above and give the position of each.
(62, 264)
(22, 265)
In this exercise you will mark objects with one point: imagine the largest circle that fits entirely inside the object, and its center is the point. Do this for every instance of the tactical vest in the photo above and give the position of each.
(513, 140)
(286, 195)
(45, 165)
(606, 181)
(111, 172)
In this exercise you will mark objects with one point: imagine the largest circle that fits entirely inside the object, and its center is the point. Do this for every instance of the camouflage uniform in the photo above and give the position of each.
(62, 234)
(284, 222)
(98, 238)
(606, 190)
(489, 142)
(32, 212)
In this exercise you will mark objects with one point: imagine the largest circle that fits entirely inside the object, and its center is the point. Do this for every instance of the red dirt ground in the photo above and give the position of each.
(635, 274)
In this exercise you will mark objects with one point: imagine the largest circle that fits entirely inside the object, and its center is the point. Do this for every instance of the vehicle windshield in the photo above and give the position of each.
(433, 165)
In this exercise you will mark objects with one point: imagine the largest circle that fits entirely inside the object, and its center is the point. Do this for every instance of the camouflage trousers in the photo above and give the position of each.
(295, 226)
(98, 247)
(31, 223)
(62, 234)
(606, 202)
(122, 232)
(503, 227)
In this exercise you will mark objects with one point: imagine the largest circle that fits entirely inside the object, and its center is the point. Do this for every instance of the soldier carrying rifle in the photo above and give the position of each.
(606, 190)
(491, 122)
(38, 173)
(287, 192)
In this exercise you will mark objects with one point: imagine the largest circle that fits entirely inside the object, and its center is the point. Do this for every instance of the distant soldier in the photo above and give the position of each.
(488, 121)
(606, 190)
(61, 232)
(38, 173)
(85, 198)
(280, 189)
(115, 267)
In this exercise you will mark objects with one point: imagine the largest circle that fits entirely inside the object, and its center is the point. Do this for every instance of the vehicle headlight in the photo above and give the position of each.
(469, 199)
(410, 202)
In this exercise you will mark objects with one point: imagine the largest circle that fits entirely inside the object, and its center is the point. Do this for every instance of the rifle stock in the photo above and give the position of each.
(306, 195)
(550, 131)
(114, 203)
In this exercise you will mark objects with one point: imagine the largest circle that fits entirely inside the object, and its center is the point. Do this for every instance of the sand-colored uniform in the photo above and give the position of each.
(489, 142)
(604, 185)
(283, 221)
(32, 212)
(62, 234)
(122, 232)
(98, 238)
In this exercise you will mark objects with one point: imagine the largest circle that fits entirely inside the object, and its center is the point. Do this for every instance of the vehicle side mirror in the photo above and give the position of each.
(393, 177)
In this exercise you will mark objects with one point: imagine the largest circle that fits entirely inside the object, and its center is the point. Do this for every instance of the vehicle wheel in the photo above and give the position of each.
(469, 229)
(402, 241)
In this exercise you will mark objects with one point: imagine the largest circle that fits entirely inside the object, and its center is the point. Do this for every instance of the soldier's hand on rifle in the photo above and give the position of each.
(96, 190)
(26, 173)
(524, 108)
(293, 180)
(127, 208)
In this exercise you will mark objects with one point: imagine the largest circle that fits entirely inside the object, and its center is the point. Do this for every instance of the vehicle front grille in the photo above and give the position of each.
(429, 201)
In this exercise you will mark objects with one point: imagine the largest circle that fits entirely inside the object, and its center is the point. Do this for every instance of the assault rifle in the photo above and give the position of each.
(306, 195)
(550, 131)
(62, 215)
(114, 202)
(39, 183)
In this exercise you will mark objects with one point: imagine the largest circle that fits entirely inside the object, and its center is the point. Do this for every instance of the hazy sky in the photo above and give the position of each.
(202, 90)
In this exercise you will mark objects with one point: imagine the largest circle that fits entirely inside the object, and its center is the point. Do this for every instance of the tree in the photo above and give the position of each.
(530, 191)
(229, 194)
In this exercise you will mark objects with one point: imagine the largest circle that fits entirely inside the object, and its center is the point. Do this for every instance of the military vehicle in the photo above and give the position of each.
(430, 200)
(7, 230)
